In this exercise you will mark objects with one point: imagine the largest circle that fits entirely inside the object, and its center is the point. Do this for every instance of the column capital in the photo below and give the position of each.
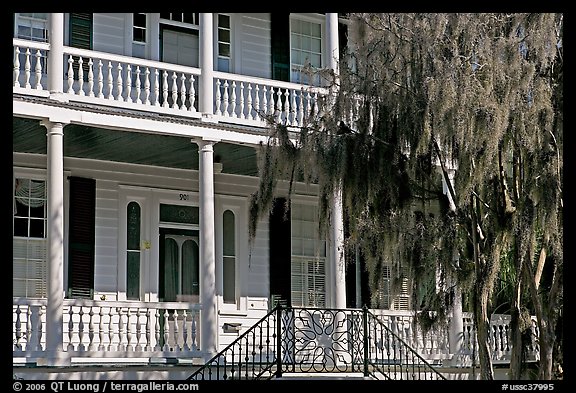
(203, 142)
(54, 122)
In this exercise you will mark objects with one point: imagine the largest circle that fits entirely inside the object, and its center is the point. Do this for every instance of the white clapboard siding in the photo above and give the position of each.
(254, 45)
(109, 30)
(106, 247)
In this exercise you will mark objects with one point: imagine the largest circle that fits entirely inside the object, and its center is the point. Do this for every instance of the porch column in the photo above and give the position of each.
(208, 314)
(339, 265)
(332, 46)
(55, 248)
(337, 252)
(456, 326)
(56, 56)
(207, 65)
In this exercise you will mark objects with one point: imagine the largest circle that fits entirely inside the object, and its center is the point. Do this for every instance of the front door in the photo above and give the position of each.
(179, 265)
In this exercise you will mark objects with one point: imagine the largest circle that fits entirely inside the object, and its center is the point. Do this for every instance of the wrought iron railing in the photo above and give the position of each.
(313, 340)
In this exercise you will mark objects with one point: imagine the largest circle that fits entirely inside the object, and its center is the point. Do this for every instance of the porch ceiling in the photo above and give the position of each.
(28, 136)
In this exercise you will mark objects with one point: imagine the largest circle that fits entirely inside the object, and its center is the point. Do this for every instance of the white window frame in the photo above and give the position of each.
(304, 259)
(33, 21)
(216, 49)
(310, 19)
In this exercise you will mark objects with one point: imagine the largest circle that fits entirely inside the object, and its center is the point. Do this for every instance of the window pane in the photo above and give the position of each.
(133, 226)
(316, 45)
(179, 214)
(190, 268)
(223, 64)
(229, 234)
(297, 26)
(316, 61)
(315, 30)
(229, 280)
(139, 35)
(296, 41)
(306, 29)
(224, 35)
(224, 50)
(133, 275)
(37, 228)
(140, 20)
(223, 21)
(296, 57)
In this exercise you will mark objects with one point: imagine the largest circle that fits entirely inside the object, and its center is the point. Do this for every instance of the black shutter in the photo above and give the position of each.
(343, 42)
(280, 41)
(80, 37)
(280, 253)
(81, 237)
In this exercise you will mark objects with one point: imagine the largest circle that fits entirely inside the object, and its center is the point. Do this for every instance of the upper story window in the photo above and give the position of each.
(32, 26)
(184, 17)
(306, 51)
(224, 49)
(139, 27)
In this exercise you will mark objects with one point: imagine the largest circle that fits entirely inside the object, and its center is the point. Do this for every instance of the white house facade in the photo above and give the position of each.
(135, 143)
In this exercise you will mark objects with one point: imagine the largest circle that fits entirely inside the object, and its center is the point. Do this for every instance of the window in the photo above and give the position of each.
(308, 278)
(229, 257)
(29, 277)
(306, 51)
(133, 251)
(393, 292)
(186, 17)
(224, 40)
(33, 26)
(138, 36)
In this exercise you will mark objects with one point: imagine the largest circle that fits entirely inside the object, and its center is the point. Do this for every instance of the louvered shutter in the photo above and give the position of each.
(81, 37)
(81, 237)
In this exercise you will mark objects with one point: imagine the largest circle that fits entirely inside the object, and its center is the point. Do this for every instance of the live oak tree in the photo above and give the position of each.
(463, 109)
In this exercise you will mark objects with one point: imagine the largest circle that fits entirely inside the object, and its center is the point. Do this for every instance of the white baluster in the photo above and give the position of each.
(218, 98)
(147, 86)
(39, 328)
(176, 332)
(38, 70)
(147, 336)
(91, 329)
(185, 346)
(301, 108)
(128, 83)
(70, 328)
(308, 105)
(121, 341)
(110, 82)
(241, 111)
(70, 75)
(293, 119)
(80, 76)
(233, 100)
(100, 80)
(192, 94)
(17, 67)
(271, 107)
(110, 329)
(174, 91)
(248, 103)
(286, 107)
(33, 325)
(166, 331)
(129, 347)
(18, 330)
(81, 346)
(101, 329)
(138, 330)
(183, 92)
(138, 85)
(257, 103)
(225, 99)
(90, 78)
(156, 88)
(157, 329)
(119, 84)
(27, 69)
(194, 345)
(316, 104)
(264, 100)
(279, 105)
(165, 89)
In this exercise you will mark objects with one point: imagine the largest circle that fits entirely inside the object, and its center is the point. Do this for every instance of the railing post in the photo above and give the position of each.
(278, 340)
(365, 339)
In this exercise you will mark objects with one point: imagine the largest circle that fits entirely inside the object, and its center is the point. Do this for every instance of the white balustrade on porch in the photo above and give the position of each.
(250, 100)
(102, 328)
(29, 67)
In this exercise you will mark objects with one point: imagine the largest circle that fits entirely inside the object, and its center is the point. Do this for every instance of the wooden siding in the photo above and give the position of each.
(109, 33)
(253, 45)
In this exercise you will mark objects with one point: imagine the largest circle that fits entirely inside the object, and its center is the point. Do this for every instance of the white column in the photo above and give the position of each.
(332, 47)
(456, 326)
(208, 314)
(55, 252)
(207, 65)
(56, 55)
(337, 252)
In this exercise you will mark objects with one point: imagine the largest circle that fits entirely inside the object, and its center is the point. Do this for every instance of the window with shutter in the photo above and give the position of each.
(81, 237)
(393, 290)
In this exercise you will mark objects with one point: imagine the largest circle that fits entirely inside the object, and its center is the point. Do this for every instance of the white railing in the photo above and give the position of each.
(134, 83)
(105, 328)
(239, 97)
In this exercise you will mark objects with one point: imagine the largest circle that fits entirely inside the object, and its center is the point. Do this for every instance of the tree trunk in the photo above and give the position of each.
(546, 341)
(515, 336)
(483, 334)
